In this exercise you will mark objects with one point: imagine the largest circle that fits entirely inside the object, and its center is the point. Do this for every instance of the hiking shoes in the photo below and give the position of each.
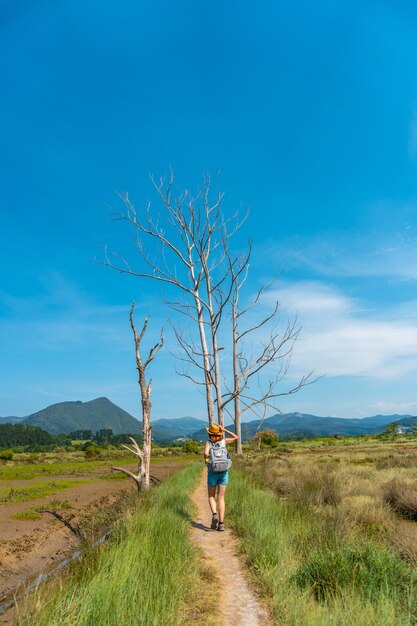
(220, 527)
(214, 522)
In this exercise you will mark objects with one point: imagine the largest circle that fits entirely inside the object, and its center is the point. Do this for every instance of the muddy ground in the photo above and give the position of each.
(29, 547)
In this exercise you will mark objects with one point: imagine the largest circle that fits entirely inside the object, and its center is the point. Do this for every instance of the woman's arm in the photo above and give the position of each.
(206, 451)
(233, 437)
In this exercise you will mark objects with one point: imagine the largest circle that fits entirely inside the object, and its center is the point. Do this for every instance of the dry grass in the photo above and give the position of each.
(401, 496)
(357, 491)
(314, 485)
(404, 539)
(325, 532)
(397, 460)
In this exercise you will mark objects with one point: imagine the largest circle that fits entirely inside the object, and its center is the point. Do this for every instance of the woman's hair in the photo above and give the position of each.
(216, 437)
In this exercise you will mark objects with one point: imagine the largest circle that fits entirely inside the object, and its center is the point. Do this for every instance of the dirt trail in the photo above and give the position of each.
(238, 605)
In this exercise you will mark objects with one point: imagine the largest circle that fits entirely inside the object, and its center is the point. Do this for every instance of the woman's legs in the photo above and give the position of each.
(221, 490)
(212, 498)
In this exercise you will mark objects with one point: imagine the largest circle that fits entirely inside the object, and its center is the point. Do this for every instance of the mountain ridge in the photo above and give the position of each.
(299, 425)
(11, 419)
(65, 417)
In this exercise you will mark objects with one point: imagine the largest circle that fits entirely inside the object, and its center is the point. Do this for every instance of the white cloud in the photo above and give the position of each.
(396, 407)
(341, 337)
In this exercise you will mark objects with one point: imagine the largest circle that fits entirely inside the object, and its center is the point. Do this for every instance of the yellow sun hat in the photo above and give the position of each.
(214, 429)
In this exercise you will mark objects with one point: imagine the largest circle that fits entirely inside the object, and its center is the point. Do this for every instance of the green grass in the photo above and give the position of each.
(39, 490)
(32, 514)
(148, 574)
(369, 570)
(26, 515)
(307, 571)
(72, 468)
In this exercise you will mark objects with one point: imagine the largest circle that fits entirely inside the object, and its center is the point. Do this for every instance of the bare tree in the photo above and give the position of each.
(191, 261)
(273, 352)
(194, 259)
(142, 477)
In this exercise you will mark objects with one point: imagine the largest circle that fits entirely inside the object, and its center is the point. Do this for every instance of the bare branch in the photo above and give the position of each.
(65, 520)
(114, 468)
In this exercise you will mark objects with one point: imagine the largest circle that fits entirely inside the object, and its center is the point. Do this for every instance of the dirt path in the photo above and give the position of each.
(238, 605)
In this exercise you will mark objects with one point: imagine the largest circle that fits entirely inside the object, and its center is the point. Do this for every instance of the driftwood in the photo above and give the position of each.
(66, 521)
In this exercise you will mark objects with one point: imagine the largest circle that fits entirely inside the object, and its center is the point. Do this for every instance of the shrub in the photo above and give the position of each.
(92, 451)
(191, 447)
(267, 437)
(6, 455)
(401, 497)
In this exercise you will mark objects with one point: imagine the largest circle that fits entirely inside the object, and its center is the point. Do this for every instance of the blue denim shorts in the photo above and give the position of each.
(217, 478)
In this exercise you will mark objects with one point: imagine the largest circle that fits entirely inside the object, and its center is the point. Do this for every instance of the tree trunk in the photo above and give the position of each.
(213, 329)
(206, 361)
(145, 464)
(238, 428)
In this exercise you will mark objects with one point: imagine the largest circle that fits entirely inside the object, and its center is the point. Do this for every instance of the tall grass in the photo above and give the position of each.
(148, 575)
(402, 498)
(313, 569)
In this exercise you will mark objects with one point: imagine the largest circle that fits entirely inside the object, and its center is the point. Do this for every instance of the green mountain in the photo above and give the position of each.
(66, 417)
(299, 425)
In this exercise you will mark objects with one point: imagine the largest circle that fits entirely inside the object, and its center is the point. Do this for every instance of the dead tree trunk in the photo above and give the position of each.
(236, 399)
(142, 478)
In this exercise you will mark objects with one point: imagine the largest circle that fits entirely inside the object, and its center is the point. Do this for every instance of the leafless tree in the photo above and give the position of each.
(191, 260)
(272, 353)
(194, 259)
(142, 477)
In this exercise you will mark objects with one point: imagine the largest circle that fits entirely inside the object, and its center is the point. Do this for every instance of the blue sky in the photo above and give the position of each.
(308, 109)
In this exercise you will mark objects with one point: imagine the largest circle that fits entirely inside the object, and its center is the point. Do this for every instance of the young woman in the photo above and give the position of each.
(217, 480)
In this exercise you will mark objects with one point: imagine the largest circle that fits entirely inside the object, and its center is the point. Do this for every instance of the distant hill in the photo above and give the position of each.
(66, 417)
(406, 421)
(299, 425)
(101, 413)
(11, 419)
(169, 429)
